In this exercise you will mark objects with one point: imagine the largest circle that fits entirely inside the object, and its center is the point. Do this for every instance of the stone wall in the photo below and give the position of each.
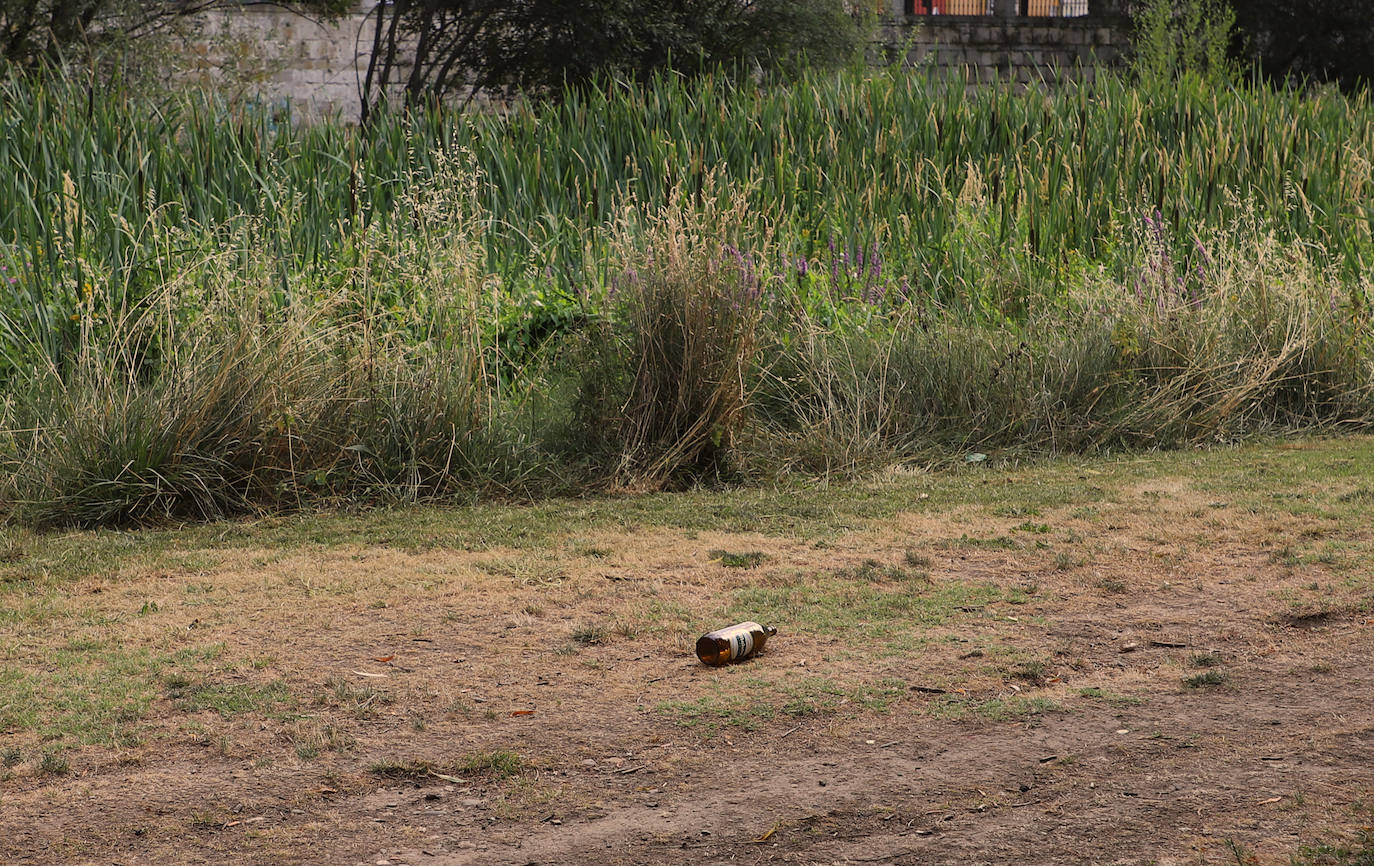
(987, 48)
(282, 56)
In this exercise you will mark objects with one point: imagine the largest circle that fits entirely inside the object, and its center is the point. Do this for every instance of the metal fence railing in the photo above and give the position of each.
(1030, 8)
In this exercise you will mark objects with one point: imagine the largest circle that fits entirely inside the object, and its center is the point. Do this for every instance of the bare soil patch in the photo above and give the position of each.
(1172, 668)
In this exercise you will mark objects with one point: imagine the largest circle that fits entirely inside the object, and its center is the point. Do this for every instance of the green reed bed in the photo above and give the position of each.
(850, 160)
(207, 309)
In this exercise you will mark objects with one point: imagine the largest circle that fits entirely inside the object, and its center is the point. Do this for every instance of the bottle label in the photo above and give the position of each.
(740, 637)
(741, 644)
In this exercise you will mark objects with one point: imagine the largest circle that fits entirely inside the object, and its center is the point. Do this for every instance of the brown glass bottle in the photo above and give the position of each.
(734, 643)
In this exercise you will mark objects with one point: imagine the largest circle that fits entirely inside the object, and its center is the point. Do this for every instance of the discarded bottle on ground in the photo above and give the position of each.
(734, 643)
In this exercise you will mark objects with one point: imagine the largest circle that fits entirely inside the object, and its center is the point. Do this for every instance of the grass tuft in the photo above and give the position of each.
(1206, 680)
(496, 764)
(750, 559)
(1356, 852)
(54, 763)
(590, 635)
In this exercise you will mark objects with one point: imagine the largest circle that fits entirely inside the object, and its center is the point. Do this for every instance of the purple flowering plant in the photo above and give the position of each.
(1164, 281)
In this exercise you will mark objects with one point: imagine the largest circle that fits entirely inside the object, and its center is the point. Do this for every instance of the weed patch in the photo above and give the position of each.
(992, 709)
(1207, 680)
(1356, 852)
(590, 635)
(360, 701)
(496, 765)
(232, 699)
(92, 692)
(750, 559)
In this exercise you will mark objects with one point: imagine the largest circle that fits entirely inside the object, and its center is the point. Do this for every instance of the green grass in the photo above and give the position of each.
(992, 709)
(95, 691)
(746, 700)
(232, 699)
(749, 559)
(1321, 470)
(857, 610)
(495, 764)
(1358, 851)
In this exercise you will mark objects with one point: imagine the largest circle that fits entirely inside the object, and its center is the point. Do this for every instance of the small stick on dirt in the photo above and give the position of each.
(766, 836)
(629, 770)
(789, 733)
(928, 690)
(893, 743)
(1168, 643)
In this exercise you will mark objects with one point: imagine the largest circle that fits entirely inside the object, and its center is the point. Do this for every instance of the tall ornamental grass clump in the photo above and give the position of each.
(236, 387)
(664, 393)
(1247, 334)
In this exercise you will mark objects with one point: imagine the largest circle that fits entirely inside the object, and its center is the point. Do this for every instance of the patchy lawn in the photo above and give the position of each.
(1160, 658)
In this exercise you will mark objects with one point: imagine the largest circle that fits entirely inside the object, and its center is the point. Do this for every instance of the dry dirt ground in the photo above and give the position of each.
(1155, 660)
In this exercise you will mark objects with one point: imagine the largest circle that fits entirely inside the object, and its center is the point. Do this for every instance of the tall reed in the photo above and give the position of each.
(860, 161)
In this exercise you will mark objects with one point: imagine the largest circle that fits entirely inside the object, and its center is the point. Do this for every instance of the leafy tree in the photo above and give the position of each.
(566, 44)
(1174, 38)
(1321, 40)
(33, 32)
(435, 49)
